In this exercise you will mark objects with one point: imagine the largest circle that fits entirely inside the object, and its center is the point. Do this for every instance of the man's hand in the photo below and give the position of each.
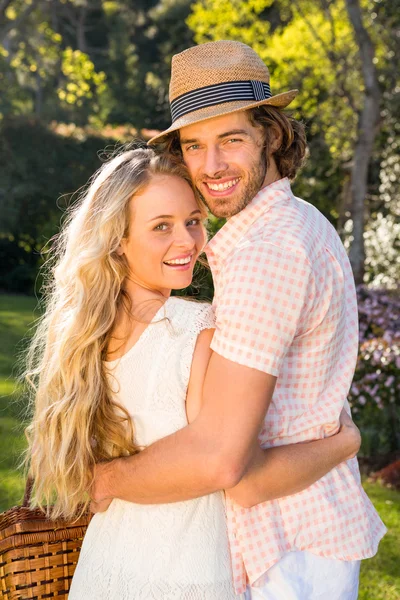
(351, 433)
(99, 494)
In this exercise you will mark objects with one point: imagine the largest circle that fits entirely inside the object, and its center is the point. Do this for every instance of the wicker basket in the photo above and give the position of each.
(38, 556)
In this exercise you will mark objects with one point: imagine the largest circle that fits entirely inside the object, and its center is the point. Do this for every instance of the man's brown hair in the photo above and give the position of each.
(292, 151)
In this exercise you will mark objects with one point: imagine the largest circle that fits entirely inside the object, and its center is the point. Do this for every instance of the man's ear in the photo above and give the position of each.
(274, 138)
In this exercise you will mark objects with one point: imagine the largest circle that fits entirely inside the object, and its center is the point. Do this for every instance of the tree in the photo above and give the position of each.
(44, 75)
(312, 46)
(90, 61)
(40, 171)
(95, 62)
(367, 126)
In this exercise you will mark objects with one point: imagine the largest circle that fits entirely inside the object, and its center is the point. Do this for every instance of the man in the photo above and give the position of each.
(285, 340)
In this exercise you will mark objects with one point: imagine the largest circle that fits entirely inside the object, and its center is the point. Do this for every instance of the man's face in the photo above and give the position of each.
(226, 160)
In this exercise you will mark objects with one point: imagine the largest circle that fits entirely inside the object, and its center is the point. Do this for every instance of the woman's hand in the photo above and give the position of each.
(284, 470)
(350, 434)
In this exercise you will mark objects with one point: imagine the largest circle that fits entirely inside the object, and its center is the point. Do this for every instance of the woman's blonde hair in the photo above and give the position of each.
(75, 422)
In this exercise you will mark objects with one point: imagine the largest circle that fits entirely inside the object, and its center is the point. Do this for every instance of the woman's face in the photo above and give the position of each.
(166, 235)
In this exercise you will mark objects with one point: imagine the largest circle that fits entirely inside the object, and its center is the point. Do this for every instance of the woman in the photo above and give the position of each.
(118, 363)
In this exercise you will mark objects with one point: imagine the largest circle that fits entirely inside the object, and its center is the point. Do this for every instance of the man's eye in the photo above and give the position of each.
(192, 147)
(161, 227)
(234, 140)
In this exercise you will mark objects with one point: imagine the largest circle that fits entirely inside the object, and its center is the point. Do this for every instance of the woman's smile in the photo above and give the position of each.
(184, 262)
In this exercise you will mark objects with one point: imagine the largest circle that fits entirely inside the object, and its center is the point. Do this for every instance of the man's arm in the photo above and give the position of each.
(273, 472)
(210, 454)
(282, 470)
(255, 327)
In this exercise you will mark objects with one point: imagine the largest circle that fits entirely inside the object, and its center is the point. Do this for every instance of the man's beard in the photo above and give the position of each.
(229, 207)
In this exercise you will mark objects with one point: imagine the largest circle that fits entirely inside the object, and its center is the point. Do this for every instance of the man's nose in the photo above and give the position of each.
(214, 162)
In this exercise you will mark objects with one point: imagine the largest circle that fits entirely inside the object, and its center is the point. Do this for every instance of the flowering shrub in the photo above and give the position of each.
(375, 392)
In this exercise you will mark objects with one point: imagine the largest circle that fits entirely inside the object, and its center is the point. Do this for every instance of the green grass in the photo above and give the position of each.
(380, 576)
(16, 316)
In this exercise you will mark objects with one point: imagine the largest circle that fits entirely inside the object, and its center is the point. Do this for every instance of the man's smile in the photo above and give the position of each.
(221, 188)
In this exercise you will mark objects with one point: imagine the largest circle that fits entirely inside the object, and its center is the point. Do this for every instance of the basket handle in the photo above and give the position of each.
(28, 491)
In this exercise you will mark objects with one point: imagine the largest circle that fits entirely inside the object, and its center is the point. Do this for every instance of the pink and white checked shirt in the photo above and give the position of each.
(285, 304)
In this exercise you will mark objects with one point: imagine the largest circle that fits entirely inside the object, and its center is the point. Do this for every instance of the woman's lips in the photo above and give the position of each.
(180, 267)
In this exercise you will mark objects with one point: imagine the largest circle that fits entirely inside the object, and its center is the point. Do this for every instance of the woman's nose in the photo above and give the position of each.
(184, 239)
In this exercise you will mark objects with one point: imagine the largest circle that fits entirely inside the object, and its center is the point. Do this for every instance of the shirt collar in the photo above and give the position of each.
(237, 226)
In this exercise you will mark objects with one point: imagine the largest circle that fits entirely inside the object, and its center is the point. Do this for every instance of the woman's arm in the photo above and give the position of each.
(282, 470)
(285, 470)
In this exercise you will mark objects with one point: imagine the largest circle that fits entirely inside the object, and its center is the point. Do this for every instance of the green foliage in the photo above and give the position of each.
(38, 56)
(382, 234)
(382, 245)
(82, 89)
(46, 75)
(140, 41)
(231, 19)
(98, 62)
(39, 171)
(306, 50)
(310, 46)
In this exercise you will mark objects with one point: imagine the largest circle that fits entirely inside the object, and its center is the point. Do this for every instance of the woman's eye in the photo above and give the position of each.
(194, 222)
(161, 227)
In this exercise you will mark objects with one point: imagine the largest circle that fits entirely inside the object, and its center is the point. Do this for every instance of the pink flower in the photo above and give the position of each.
(389, 381)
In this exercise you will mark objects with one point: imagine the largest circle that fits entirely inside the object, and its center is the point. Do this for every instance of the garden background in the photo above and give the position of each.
(80, 77)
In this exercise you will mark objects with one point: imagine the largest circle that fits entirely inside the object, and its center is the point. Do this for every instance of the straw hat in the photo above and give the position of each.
(216, 79)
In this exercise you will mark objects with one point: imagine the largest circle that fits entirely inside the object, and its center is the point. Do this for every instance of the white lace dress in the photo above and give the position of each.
(167, 551)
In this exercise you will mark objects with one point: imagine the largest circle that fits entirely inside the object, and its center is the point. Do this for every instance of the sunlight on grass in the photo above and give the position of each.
(7, 387)
(380, 576)
(12, 444)
(12, 489)
(16, 318)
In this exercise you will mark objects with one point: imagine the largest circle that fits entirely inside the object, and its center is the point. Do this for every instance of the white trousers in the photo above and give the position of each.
(305, 576)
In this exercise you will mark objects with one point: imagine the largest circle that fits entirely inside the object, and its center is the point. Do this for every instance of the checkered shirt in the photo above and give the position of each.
(285, 304)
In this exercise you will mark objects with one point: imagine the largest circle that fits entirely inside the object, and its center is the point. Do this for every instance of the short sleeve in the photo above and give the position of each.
(263, 303)
(204, 317)
(198, 316)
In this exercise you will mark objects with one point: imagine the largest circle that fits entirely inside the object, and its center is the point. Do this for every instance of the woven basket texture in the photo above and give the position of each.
(38, 555)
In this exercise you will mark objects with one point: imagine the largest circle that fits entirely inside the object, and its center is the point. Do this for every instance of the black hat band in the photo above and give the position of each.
(219, 93)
